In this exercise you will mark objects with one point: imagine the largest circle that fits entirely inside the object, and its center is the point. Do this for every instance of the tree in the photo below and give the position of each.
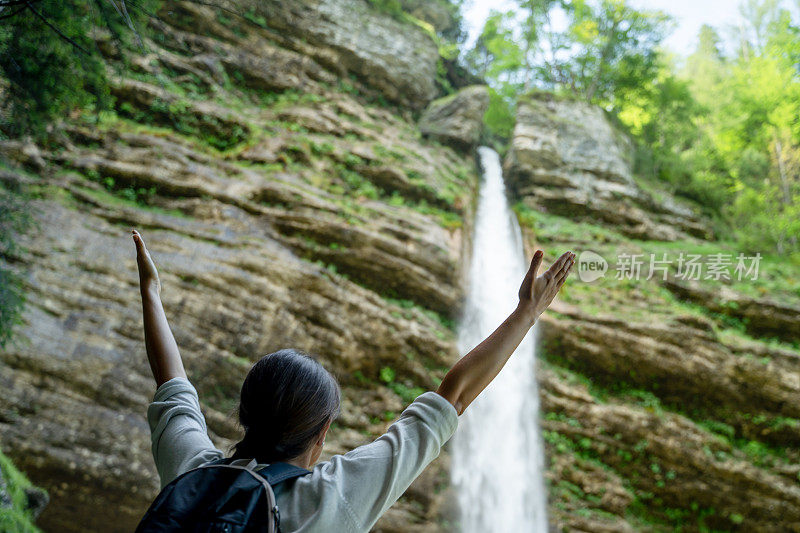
(497, 58)
(607, 49)
(50, 59)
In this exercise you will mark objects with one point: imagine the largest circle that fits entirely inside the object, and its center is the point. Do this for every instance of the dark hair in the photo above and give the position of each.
(287, 398)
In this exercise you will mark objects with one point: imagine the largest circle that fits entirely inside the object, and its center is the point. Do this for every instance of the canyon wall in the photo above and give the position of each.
(302, 180)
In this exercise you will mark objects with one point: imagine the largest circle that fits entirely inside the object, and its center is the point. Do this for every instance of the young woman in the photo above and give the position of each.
(289, 400)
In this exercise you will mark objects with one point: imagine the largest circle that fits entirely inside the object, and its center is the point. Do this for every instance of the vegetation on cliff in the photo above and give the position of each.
(19, 500)
(290, 160)
(293, 199)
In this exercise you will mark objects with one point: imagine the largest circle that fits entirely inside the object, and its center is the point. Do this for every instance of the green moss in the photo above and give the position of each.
(407, 394)
(183, 117)
(410, 304)
(128, 198)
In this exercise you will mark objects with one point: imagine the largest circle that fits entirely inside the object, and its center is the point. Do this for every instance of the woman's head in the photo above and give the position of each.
(288, 399)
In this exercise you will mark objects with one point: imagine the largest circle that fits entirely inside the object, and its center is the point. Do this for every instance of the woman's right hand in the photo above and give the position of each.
(537, 292)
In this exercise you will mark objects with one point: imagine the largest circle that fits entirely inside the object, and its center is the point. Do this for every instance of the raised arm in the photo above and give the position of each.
(473, 372)
(162, 351)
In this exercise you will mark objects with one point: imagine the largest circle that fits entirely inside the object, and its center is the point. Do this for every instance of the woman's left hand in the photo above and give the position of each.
(537, 292)
(148, 275)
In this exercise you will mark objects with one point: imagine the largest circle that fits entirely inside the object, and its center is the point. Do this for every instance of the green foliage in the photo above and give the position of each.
(357, 184)
(50, 74)
(445, 322)
(387, 374)
(181, 116)
(720, 131)
(608, 49)
(127, 191)
(407, 393)
(447, 219)
(15, 519)
(750, 100)
(498, 58)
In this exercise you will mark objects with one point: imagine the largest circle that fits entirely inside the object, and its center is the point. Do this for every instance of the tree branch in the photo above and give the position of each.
(49, 25)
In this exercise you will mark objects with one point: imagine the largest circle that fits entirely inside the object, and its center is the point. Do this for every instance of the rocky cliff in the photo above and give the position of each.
(567, 158)
(288, 198)
(293, 192)
(669, 403)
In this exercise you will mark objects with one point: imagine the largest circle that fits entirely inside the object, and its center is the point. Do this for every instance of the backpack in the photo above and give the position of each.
(224, 496)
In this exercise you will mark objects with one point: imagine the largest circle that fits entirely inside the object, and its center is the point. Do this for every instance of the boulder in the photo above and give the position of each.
(437, 13)
(567, 158)
(457, 119)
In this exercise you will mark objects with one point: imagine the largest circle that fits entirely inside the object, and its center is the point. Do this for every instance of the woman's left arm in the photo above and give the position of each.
(162, 350)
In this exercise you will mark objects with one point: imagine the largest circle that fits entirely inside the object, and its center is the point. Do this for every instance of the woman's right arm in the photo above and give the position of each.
(473, 372)
(162, 351)
(363, 483)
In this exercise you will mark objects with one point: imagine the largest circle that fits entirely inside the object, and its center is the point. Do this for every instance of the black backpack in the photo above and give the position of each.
(224, 496)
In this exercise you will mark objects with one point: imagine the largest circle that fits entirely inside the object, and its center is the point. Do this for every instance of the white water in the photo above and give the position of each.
(497, 458)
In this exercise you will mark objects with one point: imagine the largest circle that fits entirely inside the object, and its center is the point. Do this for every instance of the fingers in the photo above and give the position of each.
(536, 262)
(137, 238)
(562, 274)
(555, 268)
(558, 271)
(561, 261)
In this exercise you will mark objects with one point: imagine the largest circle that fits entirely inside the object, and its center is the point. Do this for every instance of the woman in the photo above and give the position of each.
(289, 400)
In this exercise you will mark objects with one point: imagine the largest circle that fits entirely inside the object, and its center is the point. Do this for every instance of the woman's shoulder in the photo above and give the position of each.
(315, 502)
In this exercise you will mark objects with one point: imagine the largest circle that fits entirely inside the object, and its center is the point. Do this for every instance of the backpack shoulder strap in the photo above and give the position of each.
(273, 473)
(279, 472)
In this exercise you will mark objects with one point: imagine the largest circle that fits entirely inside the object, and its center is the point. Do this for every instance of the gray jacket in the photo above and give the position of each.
(346, 493)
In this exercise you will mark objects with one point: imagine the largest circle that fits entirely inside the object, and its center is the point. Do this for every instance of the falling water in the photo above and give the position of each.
(498, 460)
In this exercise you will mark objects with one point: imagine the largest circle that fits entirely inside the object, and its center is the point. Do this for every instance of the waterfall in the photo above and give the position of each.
(498, 460)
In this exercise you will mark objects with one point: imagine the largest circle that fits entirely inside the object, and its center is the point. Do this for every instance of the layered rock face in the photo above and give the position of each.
(566, 158)
(289, 199)
(350, 36)
(760, 316)
(668, 403)
(670, 437)
(282, 210)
